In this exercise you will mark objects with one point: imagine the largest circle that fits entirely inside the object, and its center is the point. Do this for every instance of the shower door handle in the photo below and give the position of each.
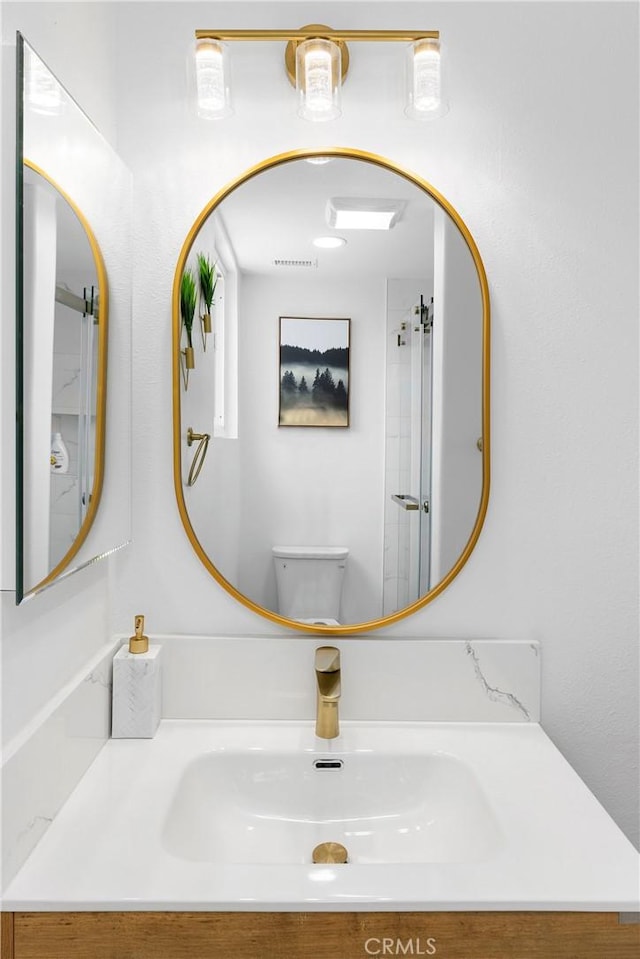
(405, 501)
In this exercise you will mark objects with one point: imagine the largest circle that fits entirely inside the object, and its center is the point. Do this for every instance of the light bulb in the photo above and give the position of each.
(424, 80)
(318, 78)
(212, 89)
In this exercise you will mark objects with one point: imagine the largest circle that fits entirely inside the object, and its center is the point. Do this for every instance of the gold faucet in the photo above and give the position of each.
(328, 682)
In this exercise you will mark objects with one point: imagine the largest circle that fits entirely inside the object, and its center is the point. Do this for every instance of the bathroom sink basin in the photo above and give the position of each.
(270, 807)
(224, 815)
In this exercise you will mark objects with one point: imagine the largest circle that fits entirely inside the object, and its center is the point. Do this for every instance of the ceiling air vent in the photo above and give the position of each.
(313, 264)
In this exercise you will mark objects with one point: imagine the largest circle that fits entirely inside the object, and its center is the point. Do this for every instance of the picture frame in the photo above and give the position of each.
(314, 382)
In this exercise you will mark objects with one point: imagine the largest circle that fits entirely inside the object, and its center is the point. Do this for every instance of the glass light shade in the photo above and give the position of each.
(212, 86)
(318, 79)
(425, 96)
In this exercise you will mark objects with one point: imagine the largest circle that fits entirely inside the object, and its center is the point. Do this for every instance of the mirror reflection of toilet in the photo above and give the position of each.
(309, 582)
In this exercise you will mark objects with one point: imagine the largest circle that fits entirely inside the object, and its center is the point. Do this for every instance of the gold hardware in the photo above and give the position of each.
(139, 643)
(405, 501)
(327, 662)
(329, 852)
(202, 440)
(187, 362)
(206, 327)
(479, 443)
(305, 33)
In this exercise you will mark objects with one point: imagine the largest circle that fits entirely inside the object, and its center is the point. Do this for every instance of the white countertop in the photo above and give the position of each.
(558, 848)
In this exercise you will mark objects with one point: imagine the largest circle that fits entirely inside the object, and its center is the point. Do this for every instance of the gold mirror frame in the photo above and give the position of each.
(483, 443)
(101, 387)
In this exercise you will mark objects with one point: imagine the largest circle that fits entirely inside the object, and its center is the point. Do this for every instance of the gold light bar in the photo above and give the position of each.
(388, 36)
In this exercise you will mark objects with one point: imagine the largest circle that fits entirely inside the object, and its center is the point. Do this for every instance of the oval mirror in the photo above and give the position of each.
(331, 390)
(64, 350)
(73, 231)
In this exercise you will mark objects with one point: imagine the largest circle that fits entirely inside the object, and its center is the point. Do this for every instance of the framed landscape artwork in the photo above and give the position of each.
(314, 371)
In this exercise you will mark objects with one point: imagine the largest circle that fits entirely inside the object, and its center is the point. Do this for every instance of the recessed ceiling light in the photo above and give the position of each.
(360, 213)
(318, 160)
(329, 242)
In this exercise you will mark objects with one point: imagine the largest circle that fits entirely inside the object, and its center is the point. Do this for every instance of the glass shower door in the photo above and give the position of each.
(408, 472)
(87, 411)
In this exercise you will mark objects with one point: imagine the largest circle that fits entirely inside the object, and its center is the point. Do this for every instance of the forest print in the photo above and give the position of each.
(314, 372)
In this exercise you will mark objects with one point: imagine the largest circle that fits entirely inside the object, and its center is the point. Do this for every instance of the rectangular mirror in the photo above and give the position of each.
(73, 327)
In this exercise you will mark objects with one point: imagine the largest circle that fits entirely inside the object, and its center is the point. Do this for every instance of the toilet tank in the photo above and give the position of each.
(309, 580)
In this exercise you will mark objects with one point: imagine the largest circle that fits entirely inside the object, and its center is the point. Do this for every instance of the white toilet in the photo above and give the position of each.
(309, 581)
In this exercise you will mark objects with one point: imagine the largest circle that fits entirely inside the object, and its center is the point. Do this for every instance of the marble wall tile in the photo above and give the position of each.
(66, 383)
(255, 677)
(395, 680)
(64, 495)
(43, 765)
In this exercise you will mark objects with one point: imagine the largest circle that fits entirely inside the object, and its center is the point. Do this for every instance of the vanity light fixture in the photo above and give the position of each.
(360, 213)
(317, 61)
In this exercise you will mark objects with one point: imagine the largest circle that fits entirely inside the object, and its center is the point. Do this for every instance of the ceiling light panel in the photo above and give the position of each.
(361, 213)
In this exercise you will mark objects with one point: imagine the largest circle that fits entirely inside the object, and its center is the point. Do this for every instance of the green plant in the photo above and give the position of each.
(188, 302)
(208, 279)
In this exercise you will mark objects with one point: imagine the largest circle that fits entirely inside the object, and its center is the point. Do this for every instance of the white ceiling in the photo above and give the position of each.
(279, 211)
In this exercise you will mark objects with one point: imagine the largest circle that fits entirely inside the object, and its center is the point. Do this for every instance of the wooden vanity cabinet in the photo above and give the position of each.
(317, 935)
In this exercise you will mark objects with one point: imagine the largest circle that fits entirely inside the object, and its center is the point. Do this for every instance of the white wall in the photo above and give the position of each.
(456, 469)
(46, 640)
(312, 486)
(539, 155)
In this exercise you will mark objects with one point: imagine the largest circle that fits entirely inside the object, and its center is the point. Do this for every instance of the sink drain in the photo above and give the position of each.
(329, 852)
